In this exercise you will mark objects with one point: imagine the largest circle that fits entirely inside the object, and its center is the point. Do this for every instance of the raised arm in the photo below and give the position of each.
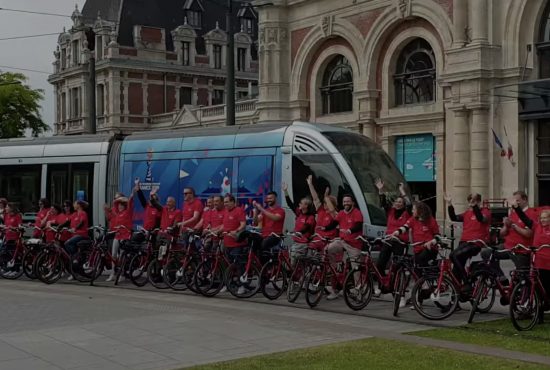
(289, 201)
(316, 201)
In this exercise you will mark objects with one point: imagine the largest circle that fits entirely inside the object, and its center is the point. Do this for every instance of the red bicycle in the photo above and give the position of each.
(275, 272)
(181, 264)
(11, 257)
(529, 299)
(209, 278)
(137, 269)
(166, 243)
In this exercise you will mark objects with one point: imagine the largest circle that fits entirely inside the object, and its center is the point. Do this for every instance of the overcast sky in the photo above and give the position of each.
(34, 53)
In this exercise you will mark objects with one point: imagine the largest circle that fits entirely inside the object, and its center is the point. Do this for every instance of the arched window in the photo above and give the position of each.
(414, 79)
(337, 89)
(543, 44)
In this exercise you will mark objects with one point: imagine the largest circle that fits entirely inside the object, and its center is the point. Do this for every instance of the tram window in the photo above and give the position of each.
(325, 174)
(58, 188)
(368, 162)
(21, 185)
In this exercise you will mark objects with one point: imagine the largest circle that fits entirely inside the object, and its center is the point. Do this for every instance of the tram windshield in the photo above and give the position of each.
(368, 162)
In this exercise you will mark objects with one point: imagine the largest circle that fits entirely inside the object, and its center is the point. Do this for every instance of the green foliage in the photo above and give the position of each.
(19, 107)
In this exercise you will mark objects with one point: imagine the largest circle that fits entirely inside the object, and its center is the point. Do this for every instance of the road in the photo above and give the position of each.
(78, 327)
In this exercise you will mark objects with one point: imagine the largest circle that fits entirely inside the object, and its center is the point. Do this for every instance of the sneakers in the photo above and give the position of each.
(121, 279)
(110, 278)
(334, 295)
(402, 302)
(377, 292)
(241, 290)
(70, 278)
(224, 289)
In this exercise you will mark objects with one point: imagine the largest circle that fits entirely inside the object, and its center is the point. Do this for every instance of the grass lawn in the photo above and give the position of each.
(499, 333)
(372, 354)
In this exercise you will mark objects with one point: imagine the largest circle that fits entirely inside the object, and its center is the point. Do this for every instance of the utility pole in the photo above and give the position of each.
(230, 67)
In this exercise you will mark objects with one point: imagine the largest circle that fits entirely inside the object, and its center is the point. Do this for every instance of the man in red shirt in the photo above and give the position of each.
(153, 213)
(350, 223)
(542, 259)
(171, 216)
(122, 223)
(271, 219)
(44, 207)
(476, 221)
(191, 213)
(517, 229)
(234, 222)
(213, 223)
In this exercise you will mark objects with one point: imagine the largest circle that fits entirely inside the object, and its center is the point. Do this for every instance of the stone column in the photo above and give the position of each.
(479, 14)
(145, 88)
(461, 158)
(460, 22)
(113, 114)
(479, 155)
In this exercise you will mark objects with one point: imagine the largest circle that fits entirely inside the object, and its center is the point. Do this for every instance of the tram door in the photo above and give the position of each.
(21, 185)
(72, 181)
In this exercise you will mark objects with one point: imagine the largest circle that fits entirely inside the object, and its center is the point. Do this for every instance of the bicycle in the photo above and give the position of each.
(180, 266)
(209, 278)
(166, 242)
(529, 298)
(137, 269)
(11, 257)
(33, 248)
(101, 256)
(275, 272)
(303, 267)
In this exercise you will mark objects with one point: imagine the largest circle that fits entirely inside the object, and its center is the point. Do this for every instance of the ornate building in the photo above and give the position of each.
(158, 64)
(430, 80)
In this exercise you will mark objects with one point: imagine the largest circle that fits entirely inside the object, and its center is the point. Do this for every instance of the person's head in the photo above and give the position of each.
(332, 200)
(188, 194)
(306, 205)
(118, 194)
(56, 209)
(68, 207)
(229, 201)
(545, 217)
(421, 211)
(474, 199)
(399, 203)
(171, 202)
(154, 197)
(80, 205)
(521, 198)
(3, 203)
(271, 199)
(217, 202)
(11, 208)
(44, 203)
(122, 203)
(210, 202)
(348, 202)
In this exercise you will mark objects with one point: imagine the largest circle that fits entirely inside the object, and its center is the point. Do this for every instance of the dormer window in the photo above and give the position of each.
(247, 25)
(194, 18)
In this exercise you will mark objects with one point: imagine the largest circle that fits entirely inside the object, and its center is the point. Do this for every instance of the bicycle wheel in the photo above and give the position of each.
(138, 270)
(172, 272)
(189, 273)
(484, 287)
(315, 285)
(274, 279)
(11, 267)
(48, 267)
(296, 281)
(124, 263)
(82, 267)
(154, 274)
(400, 283)
(525, 306)
(242, 284)
(209, 278)
(358, 288)
(28, 264)
(432, 301)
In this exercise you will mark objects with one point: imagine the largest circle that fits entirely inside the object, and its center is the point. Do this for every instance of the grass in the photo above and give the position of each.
(372, 354)
(498, 333)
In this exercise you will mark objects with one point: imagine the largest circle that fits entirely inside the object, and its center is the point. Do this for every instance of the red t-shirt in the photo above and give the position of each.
(206, 218)
(324, 219)
(152, 217)
(514, 238)
(231, 221)
(348, 220)
(58, 220)
(40, 216)
(472, 229)
(124, 218)
(542, 237)
(422, 231)
(394, 222)
(111, 216)
(189, 209)
(169, 217)
(49, 235)
(12, 220)
(269, 226)
(303, 221)
(80, 217)
(216, 218)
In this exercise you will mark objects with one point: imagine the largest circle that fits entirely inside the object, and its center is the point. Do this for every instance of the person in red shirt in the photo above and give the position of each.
(12, 220)
(425, 233)
(3, 205)
(326, 226)
(206, 212)
(153, 212)
(213, 223)
(43, 210)
(542, 259)
(350, 223)
(271, 219)
(190, 214)
(304, 225)
(476, 221)
(397, 215)
(78, 227)
(234, 222)
(171, 216)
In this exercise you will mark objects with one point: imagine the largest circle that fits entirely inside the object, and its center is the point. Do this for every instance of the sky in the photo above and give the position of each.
(34, 53)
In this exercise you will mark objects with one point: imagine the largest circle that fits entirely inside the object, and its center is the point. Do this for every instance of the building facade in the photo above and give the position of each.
(157, 64)
(439, 83)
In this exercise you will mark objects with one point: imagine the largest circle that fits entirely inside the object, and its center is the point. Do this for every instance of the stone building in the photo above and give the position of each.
(428, 79)
(158, 64)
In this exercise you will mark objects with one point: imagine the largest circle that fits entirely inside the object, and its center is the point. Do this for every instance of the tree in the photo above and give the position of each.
(19, 107)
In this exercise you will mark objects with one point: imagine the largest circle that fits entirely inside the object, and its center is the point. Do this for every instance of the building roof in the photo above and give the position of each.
(166, 14)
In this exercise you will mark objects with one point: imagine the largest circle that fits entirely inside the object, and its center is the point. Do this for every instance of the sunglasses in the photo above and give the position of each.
(187, 193)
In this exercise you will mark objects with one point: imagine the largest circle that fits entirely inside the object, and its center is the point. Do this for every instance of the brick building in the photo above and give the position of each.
(428, 79)
(158, 64)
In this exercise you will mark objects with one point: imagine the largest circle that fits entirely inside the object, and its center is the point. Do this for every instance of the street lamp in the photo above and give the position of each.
(230, 67)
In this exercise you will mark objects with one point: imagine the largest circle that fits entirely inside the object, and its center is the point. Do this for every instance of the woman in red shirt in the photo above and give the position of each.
(122, 223)
(44, 207)
(12, 220)
(326, 225)
(425, 232)
(79, 226)
(397, 214)
(542, 259)
(304, 225)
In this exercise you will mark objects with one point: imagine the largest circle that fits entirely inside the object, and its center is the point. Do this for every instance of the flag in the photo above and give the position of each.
(510, 151)
(499, 144)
